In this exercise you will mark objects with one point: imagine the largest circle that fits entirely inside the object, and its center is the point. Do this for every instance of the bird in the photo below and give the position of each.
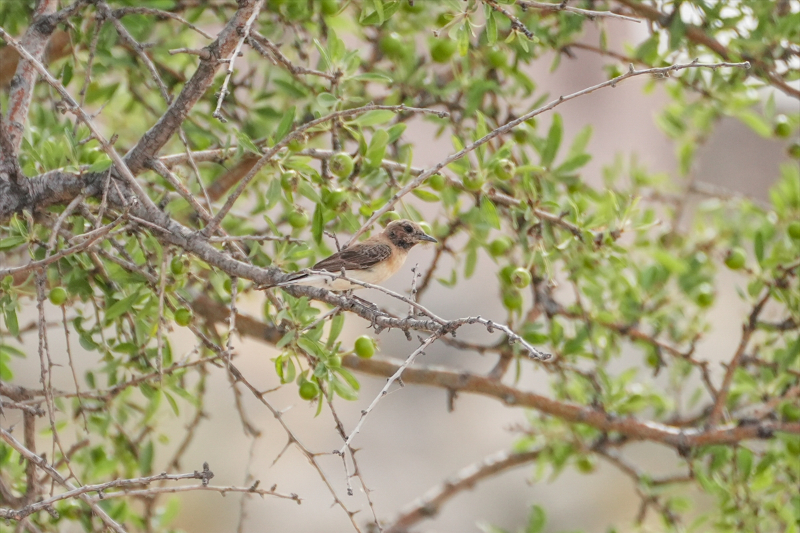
(372, 260)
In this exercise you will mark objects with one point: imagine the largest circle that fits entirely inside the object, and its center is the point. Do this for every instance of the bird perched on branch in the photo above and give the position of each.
(371, 261)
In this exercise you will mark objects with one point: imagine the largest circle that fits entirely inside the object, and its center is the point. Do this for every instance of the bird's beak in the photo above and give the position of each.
(426, 237)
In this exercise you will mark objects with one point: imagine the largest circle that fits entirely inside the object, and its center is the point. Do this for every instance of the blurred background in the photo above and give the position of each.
(411, 443)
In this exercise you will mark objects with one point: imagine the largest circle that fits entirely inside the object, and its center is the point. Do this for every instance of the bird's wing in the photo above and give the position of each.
(360, 256)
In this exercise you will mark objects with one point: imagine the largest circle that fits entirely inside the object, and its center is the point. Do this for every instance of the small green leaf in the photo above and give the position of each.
(101, 165)
(376, 149)
(12, 323)
(553, 141)
(536, 520)
(246, 142)
(424, 195)
(489, 213)
(285, 125)
(121, 307)
(318, 224)
(758, 246)
(470, 262)
(373, 118)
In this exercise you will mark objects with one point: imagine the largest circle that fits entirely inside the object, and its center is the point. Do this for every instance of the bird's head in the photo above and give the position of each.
(405, 234)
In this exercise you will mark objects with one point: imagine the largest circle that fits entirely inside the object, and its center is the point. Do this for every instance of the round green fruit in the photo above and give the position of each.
(341, 165)
(585, 465)
(437, 182)
(289, 180)
(473, 181)
(736, 258)
(794, 230)
(58, 296)
(297, 219)
(704, 296)
(782, 127)
(505, 169)
(364, 347)
(309, 390)
(500, 246)
(392, 45)
(496, 58)
(329, 7)
(521, 278)
(442, 50)
(334, 198)
(512, 300)
(183, 316)
(177, 266)
(794, 150)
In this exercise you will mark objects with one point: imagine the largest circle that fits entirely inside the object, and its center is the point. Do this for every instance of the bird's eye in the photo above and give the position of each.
(407, 228)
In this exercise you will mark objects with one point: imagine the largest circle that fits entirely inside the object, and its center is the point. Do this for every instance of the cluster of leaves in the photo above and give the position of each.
(622, 270)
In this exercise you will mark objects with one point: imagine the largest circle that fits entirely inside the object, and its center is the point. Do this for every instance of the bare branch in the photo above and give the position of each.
(429, 504)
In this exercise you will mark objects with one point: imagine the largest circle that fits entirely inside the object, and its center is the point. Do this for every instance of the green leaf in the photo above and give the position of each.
(470, 262)
(491, 26)
(337, 323)
(12, 323)
(318, 224)
(146, 455)
(343, 390)
(489, 213)
(376, 149)
(121, 307)
(536, 520)
(424, 195)
(246, 142)
(101, 165)
(553, 141)
(758, 246)
(9, 243)
(285, 125)
(373, 118)
(756, 122)
(378, 4)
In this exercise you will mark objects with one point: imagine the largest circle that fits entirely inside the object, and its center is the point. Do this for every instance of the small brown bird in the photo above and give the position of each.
(371, 261)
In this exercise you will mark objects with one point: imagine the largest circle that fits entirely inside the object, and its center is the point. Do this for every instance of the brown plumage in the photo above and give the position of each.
(372, 260)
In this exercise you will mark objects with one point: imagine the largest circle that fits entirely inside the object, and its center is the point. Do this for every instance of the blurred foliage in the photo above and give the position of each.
(616, 252)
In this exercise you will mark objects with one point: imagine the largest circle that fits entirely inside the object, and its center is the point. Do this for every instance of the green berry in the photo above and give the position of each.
(58, 296)
(309, 390)
(585, 465)
(794, 230)
(512, 300)
(505, 169)
(437, 182)
(782, 127)
(521, 278)
(297, 219)
(496, 58)
(442, 50)
(473, 181)
(365, 347)
(334, 198)
(736, 258)
(289, 180)
(183, 316)
(500, 246)
(392, 45)
(177, 266)
(704, 295)
(341, 165)
(794, 150)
